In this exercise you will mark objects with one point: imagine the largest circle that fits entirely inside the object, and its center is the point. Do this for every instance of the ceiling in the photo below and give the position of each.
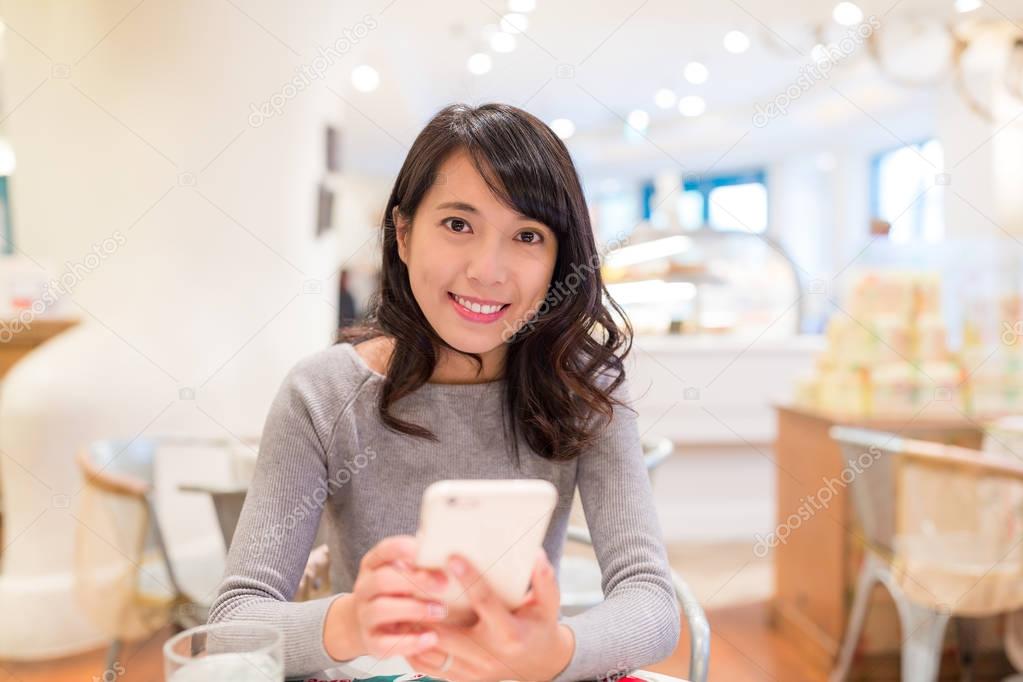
(595, 62)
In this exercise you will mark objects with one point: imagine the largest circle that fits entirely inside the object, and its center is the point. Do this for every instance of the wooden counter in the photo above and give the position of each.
(26, 338)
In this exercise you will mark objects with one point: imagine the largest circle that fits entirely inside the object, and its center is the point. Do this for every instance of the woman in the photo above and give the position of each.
(489, 354)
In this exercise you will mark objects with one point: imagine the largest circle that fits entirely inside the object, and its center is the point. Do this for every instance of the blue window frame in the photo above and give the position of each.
(733, 201)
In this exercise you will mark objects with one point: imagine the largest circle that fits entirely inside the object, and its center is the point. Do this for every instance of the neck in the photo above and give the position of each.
(455, 368)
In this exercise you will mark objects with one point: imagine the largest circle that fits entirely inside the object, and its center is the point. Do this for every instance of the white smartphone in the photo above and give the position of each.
(498, 525)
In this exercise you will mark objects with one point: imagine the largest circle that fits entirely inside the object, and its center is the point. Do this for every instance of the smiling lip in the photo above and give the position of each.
(477, 316)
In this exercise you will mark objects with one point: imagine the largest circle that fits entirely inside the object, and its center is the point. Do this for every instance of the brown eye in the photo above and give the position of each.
(456, 225)
(531, 237)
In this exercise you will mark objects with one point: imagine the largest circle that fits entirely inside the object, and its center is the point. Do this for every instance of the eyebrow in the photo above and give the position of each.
(459, 206)
(469, 208)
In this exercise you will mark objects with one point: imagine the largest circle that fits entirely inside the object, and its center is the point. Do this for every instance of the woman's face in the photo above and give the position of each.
(476, 266)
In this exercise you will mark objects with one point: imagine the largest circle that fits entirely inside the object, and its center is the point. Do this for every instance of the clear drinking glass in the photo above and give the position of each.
(225, 652)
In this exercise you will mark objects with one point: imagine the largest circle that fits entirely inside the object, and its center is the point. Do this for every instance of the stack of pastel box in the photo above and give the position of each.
(993, 355)
(887, 352)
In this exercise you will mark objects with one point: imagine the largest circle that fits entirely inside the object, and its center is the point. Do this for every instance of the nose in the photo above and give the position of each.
(487, 264)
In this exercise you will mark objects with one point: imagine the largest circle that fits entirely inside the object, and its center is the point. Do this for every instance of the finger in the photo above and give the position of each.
(430, 663)
(385, 581)
(387, 645)
(427, 581)
(544, 595)
(484, 599)
(388, 550)
(388, 580)
(387, 610)
(431, 657)
(462, 644)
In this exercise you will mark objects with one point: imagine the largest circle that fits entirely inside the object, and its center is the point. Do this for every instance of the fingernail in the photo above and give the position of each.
(428, 638)
(402, 565)
(436, 611)
(457, 567)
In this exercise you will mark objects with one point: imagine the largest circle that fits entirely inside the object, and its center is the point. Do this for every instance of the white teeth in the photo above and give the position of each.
(476, 307)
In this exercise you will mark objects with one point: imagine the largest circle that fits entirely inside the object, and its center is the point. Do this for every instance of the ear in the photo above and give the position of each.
(401, 231)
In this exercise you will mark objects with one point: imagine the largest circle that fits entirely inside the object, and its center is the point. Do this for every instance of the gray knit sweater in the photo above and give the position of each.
(325, 450)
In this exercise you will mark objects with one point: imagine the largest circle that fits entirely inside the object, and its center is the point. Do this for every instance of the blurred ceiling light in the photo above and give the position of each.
(696, 73)
(514, 23)
(521, 5)
(964, 6)
(736, 42)
(847, 14)
(639, 119)
(563, 128)
(692, 105)
(365, 78)
(665, 98)
(651, 291)
(502, 42)
(646, 251)
(819, 53)
(479, 63)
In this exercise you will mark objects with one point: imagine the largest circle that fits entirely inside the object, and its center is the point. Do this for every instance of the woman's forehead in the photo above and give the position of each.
(458, 185)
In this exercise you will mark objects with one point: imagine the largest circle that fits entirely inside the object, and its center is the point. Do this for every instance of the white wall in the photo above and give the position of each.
(132, 123)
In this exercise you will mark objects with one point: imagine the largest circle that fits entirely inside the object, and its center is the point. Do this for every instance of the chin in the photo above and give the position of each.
(473, 343)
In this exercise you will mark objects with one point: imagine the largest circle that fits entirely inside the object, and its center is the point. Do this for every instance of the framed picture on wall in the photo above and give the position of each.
(6, 232)
(324, 209)
(333, 144)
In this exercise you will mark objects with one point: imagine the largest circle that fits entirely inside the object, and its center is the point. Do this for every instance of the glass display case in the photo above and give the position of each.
(705, 281)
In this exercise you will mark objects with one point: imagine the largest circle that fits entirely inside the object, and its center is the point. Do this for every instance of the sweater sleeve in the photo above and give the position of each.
(638, 623)
(277, 528)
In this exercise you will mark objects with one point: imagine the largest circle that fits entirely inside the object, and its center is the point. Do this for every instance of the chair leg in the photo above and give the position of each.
(113, 654)
(869, 576)
(923, 635)
(966, 634)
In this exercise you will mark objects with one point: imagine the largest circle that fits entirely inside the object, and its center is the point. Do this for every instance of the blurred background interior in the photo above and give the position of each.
(811, 212)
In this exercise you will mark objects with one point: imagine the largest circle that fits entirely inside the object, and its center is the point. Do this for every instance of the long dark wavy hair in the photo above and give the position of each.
(562, 367)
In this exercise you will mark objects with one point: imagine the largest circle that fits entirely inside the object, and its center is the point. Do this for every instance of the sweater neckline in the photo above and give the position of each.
(469, 390)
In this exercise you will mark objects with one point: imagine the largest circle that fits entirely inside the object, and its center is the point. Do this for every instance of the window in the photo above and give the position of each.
(741, 206)
(614, 212)
(723, 202)
(904, 191)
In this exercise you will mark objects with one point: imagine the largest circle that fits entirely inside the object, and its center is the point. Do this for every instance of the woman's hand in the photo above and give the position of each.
(526, 643)
(383, 616)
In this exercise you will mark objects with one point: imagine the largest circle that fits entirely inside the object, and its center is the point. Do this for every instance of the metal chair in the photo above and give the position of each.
(942, 527)
(580, 579)
(696, 619)
(124, 579)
